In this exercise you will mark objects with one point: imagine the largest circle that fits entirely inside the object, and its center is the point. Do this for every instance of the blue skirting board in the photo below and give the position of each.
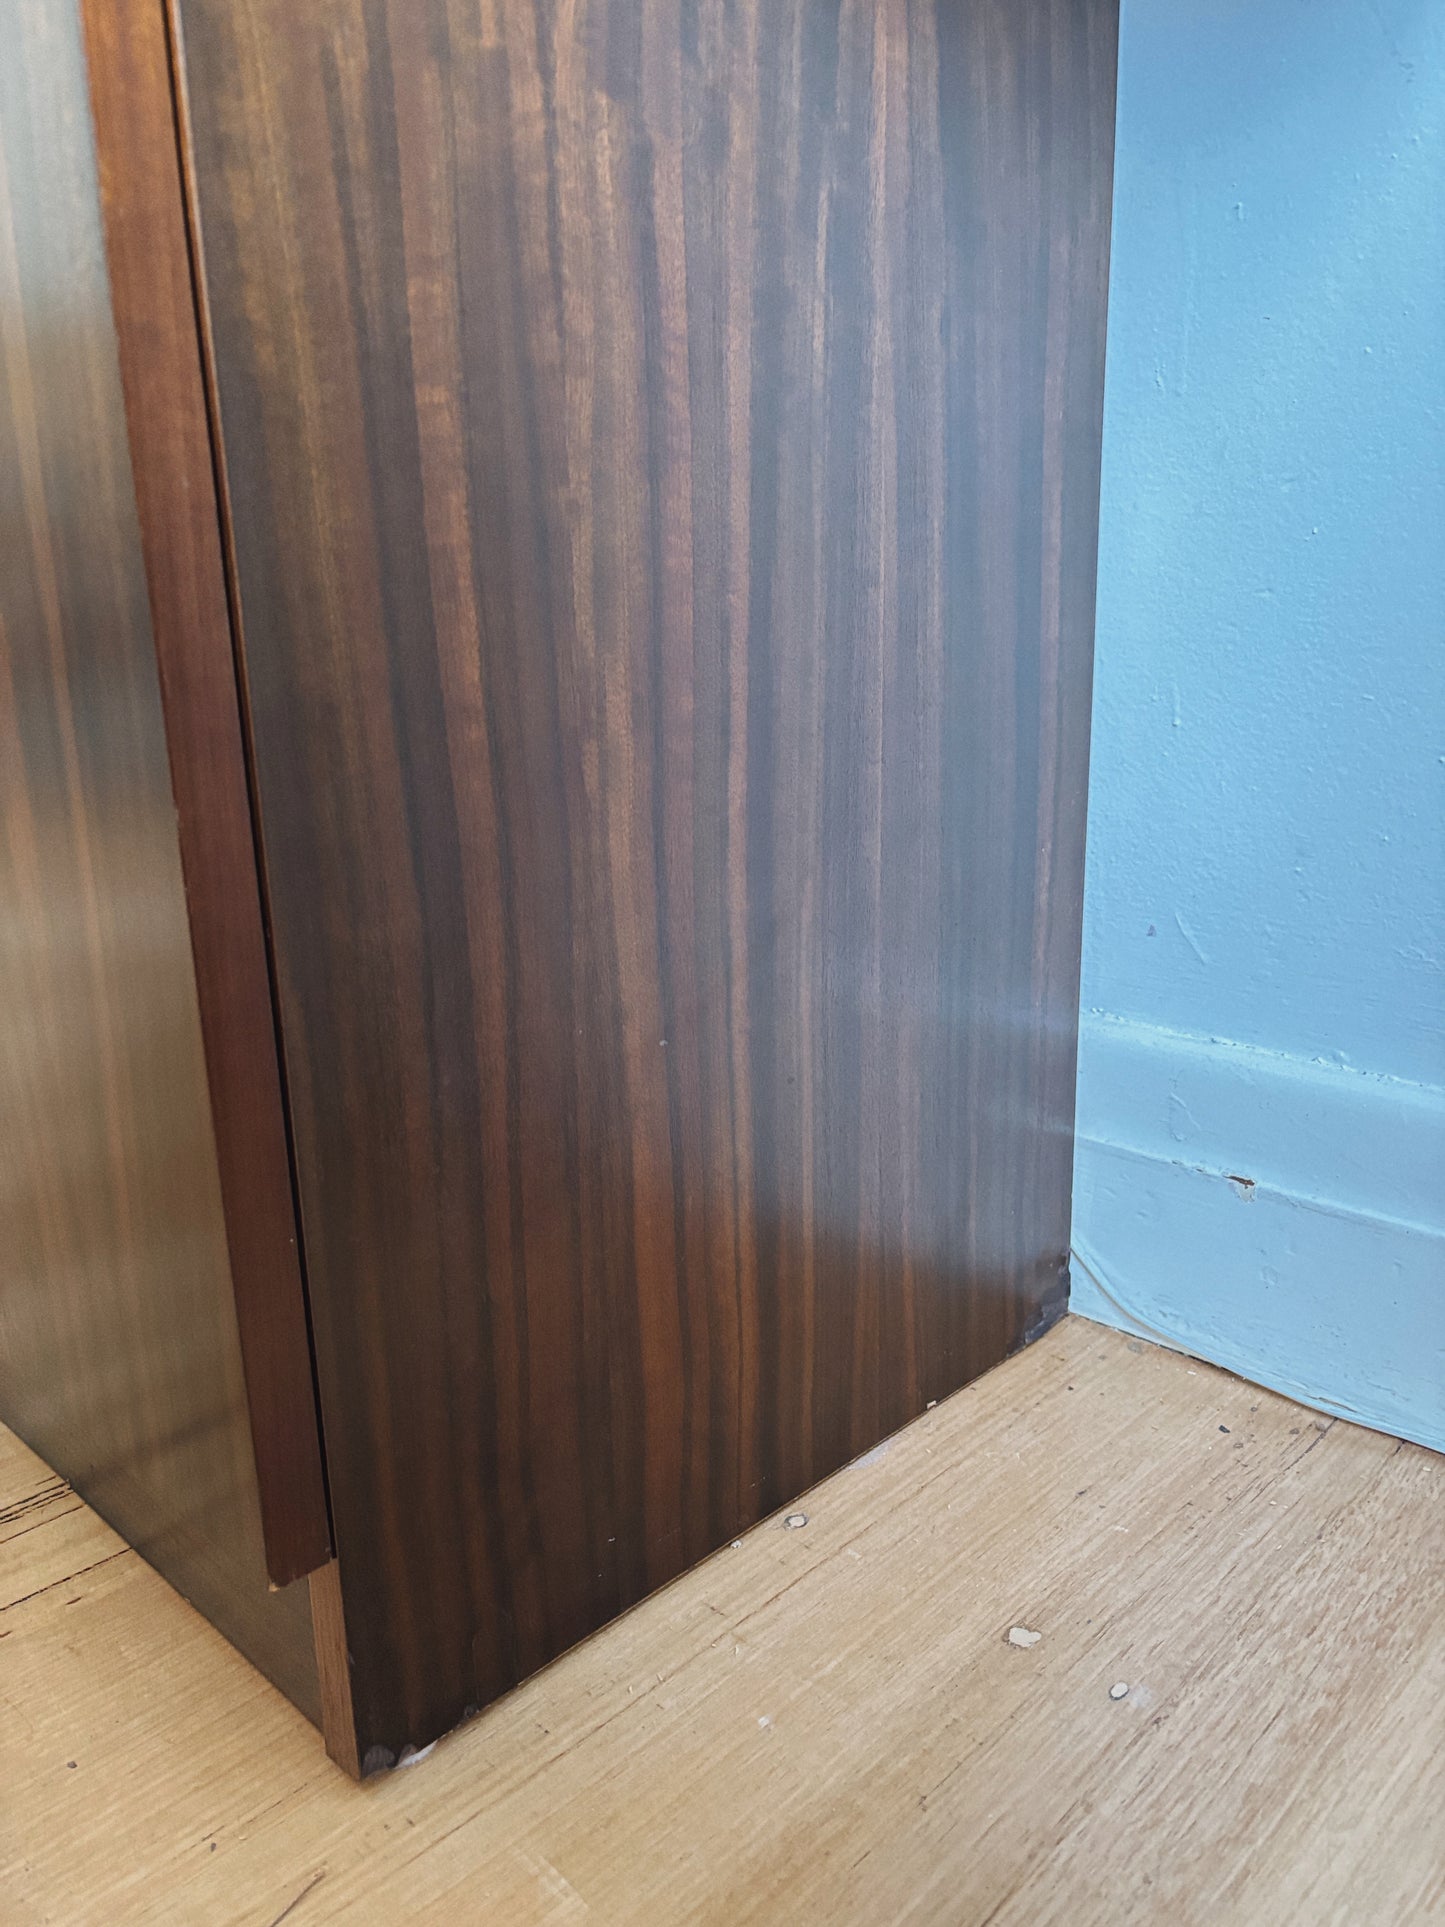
(1277, 1216)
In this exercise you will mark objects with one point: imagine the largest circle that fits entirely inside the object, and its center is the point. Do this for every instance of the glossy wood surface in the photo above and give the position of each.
(154, 305)
(119, 1358)
(663, 438)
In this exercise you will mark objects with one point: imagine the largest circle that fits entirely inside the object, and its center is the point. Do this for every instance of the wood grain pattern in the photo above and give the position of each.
(664, 445)
(333, 1668)
(828, 1726)
(118, 1346)
(156, 324)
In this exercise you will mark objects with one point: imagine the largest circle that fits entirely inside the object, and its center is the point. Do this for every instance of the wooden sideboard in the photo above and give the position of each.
(547, 622)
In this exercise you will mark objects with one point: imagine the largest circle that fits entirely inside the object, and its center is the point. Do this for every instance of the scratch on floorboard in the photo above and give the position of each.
(291, 1905)
(125, 1552)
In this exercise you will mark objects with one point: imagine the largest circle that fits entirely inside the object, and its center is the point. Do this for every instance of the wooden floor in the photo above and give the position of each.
(828, 1723)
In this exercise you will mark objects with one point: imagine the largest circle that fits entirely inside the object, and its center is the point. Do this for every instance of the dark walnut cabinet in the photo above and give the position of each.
(545, 640)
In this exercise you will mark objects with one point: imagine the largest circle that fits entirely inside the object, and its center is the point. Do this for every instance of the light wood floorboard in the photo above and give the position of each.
(827, 1723)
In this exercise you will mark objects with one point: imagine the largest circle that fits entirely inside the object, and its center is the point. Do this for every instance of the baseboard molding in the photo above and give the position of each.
(1280, 1217)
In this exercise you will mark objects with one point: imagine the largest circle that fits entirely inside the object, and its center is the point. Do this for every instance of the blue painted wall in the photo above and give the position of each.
(1264, 969)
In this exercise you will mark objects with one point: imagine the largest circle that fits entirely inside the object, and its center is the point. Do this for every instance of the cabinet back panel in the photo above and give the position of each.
(119, 1357)
(663, 439)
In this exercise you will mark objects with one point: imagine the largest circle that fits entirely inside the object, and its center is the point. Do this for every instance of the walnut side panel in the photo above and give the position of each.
(663, 439)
